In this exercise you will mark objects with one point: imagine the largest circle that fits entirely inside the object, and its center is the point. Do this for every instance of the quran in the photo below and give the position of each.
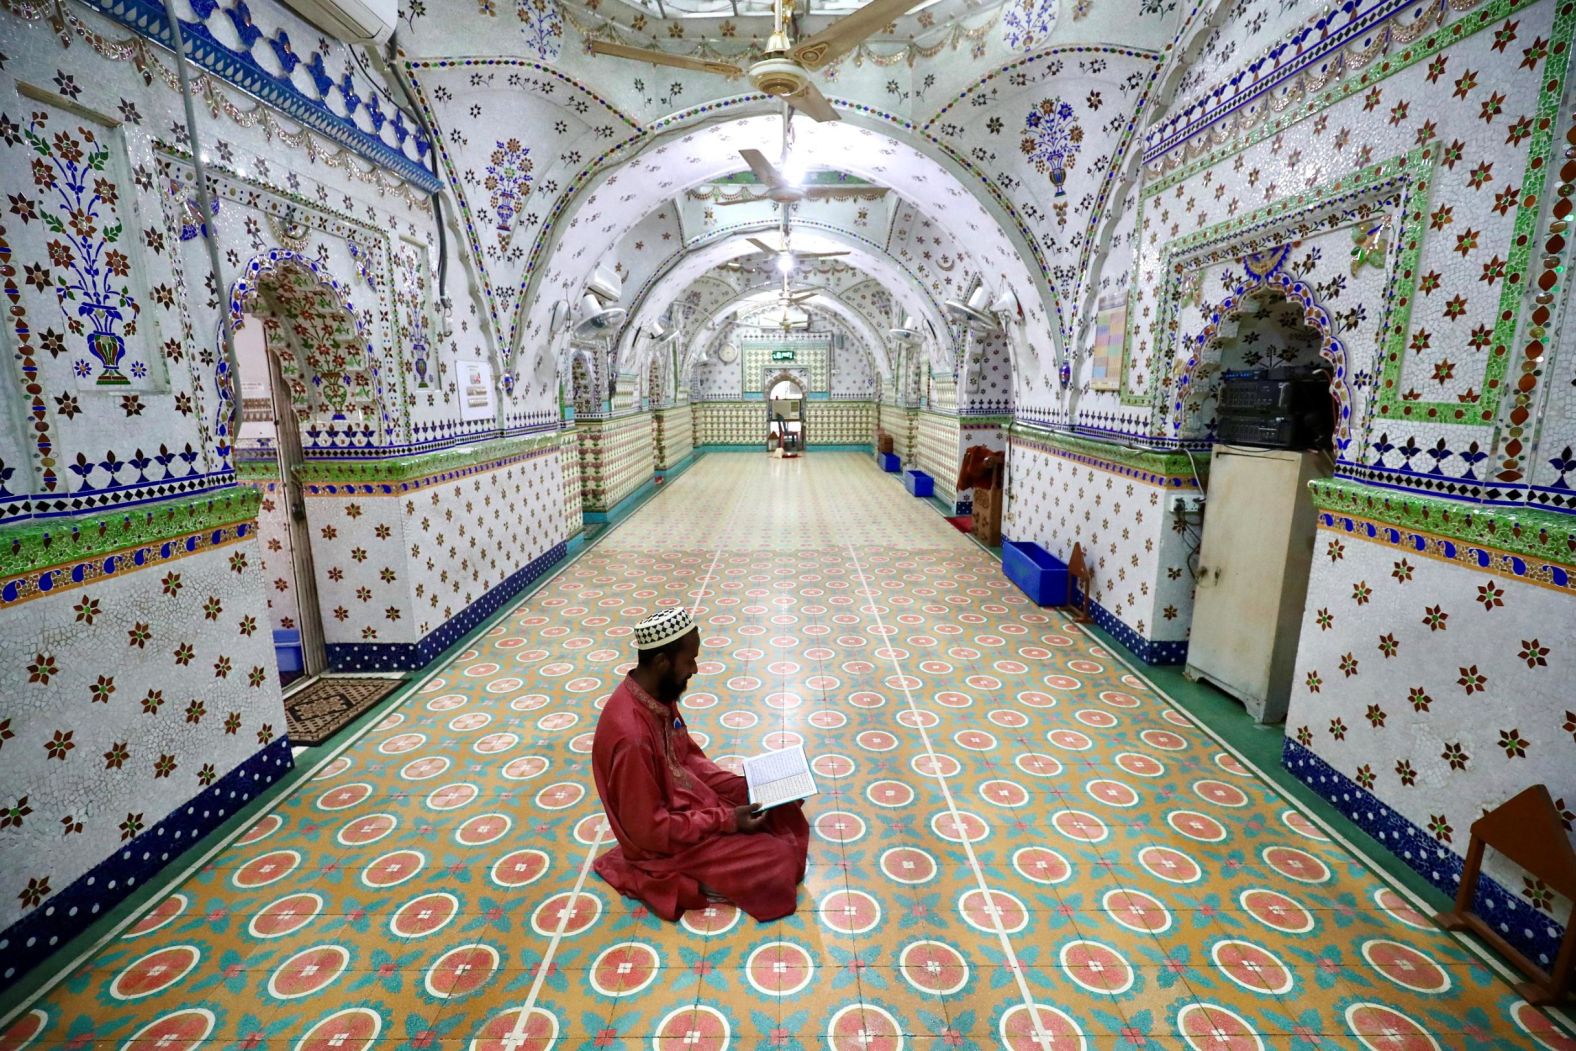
(778, 777)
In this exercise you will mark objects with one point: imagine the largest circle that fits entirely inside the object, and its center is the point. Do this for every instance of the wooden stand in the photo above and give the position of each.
(1078, 569)
(987, 516)
(1528, 831)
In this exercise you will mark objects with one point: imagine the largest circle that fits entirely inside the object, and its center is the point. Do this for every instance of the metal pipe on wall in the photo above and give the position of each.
(205, 206)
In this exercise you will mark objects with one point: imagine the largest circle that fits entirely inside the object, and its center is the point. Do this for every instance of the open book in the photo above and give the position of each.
(779, 777)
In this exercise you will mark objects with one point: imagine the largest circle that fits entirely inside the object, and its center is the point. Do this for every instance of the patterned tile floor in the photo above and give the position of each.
(1018, 844)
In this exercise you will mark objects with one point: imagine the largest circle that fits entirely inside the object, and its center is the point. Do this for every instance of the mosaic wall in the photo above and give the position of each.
(569, 482)
(115, 367)
(1114, 502)
(675, 436)
(274, 547)
(744, 422)
(901, 424)
(407, 549)
(1443, 194)
(1433, 674)
(616, 458)
(729, 422)
(937, 453)
(138, 678)
(844, 368)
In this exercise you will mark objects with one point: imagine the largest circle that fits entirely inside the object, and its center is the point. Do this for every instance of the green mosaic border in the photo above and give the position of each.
(32, 545)
(1414, 168)
(409, 468)
(1468, 25)
(1168, 462)
(1520, 249)
(1523, 531)
(257, 470)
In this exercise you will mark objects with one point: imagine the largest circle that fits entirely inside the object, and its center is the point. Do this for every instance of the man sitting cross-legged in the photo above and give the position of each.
(686, 830)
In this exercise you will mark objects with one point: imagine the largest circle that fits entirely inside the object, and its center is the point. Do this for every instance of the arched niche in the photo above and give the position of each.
(1267, 294)
(334, 375)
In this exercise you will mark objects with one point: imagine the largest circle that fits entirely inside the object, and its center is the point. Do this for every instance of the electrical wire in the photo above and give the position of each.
(209, 225)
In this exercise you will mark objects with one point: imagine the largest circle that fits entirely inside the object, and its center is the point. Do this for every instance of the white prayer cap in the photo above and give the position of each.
(662, 627)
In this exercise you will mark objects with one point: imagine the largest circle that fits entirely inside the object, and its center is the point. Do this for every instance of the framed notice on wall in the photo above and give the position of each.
(476, 390)
(1105, 353)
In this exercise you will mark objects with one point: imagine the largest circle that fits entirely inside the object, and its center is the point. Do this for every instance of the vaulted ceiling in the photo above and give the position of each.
(980, 144)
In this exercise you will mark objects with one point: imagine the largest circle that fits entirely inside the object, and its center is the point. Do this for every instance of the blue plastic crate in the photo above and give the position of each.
(890, 463)
(287, 649)
(1041, 575)
(919, 483)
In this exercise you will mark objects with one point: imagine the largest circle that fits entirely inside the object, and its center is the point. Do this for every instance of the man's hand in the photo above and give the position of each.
(749, 818)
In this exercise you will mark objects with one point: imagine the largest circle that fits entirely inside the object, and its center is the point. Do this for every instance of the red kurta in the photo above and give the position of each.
(671, 810)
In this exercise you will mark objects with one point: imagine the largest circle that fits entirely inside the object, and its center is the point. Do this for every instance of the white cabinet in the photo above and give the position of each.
(1253, 574)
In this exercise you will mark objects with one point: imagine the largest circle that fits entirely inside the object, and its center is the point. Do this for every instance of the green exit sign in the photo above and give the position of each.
(783, 355)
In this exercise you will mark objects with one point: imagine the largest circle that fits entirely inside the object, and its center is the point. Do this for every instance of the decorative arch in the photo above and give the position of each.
(341, 368)
(704, 331)
(887, 151)
(798, 377)
(702, 256)
(1266, 272)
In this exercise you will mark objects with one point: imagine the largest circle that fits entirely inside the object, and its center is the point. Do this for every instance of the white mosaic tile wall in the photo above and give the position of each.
(120, 701)
(1438, 687)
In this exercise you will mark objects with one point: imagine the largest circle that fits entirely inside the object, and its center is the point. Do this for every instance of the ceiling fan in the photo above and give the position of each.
(788, 324)
(783, 68)
(785, 250)
(781, 188)
(788, 297)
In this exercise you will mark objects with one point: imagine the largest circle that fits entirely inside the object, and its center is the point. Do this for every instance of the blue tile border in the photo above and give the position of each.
(148, 19)
(409, 656)
(677, 469)
(29, 941)
(1530, 931)
(1150, 651)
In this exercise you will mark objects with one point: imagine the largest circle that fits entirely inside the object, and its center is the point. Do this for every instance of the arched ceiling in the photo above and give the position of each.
(564, 161)
(759, 307)
(617, 202)
(916, 280)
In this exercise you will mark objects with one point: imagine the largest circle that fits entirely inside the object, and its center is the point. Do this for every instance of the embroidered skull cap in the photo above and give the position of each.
(662, 627)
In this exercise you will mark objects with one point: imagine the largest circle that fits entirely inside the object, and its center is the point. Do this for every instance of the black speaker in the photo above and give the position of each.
(1287, 407)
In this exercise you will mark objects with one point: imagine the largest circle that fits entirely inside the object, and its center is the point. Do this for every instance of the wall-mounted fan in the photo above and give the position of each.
(905, 333)
(783, 68)
(976, 313)
(597, 317)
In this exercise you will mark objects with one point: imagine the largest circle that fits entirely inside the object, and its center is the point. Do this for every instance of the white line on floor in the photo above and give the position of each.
(1041, 1037)
(516, 1035)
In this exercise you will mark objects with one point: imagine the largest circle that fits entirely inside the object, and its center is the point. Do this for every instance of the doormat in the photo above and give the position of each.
(323, 708)
(962, 523)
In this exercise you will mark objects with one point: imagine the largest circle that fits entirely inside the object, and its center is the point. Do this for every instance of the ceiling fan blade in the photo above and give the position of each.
(831, 193)
(662, 58)
(763, 168)
(819, 255)
(762, 245)
(809, 101)
(843, 35)
(800, 297)
(741, 199)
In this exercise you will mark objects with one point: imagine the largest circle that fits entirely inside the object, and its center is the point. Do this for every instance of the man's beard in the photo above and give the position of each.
(670, 690)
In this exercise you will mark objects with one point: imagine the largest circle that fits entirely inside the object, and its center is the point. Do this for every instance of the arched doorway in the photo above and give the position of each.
(274, 399)
(1264, 333)
(785, 415)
